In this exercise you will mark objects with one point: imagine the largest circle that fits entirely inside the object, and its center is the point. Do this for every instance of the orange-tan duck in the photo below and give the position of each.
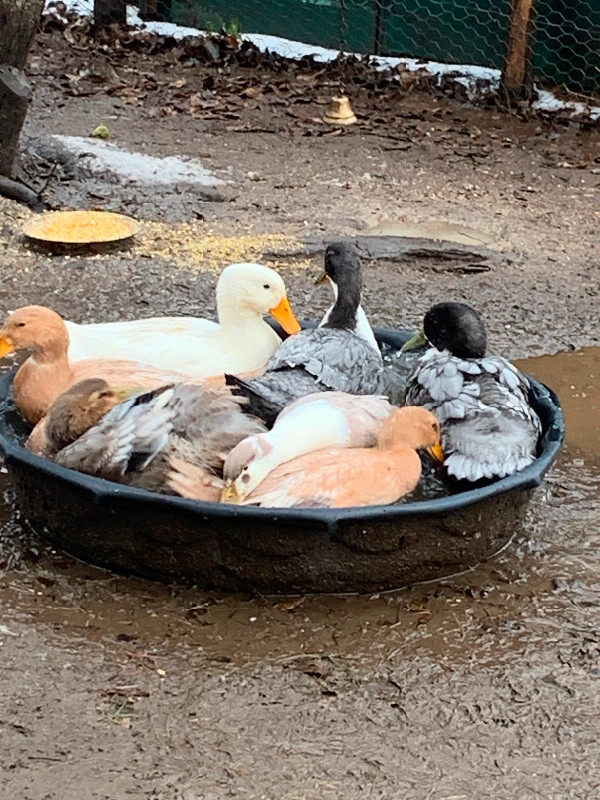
(47, 372)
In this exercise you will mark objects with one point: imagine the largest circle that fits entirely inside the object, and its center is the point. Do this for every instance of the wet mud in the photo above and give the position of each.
(171, 693)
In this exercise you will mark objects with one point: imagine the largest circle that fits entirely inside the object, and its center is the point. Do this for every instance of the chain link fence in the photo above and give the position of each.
(560, 38)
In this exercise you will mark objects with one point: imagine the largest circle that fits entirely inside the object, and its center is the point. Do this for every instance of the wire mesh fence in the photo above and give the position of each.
(557, 41)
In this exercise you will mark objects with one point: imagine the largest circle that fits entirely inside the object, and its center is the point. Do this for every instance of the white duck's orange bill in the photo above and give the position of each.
(6, 347)
(285, 316)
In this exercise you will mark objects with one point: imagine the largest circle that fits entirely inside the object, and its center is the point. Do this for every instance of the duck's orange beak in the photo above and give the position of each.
(285, 316)
(6, 346)
(229, 494)
(436, 452)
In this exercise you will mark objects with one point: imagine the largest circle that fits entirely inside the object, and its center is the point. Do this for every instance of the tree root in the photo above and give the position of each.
(23, 194)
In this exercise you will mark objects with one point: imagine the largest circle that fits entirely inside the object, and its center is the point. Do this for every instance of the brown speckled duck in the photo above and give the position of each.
(89, 428)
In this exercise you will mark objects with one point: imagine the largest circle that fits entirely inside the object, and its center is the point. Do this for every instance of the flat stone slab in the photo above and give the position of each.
(436, 255)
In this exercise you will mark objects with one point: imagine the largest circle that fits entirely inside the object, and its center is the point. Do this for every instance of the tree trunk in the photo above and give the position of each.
(15, 96)
(18, 21)
(517, 75)
(109, 12)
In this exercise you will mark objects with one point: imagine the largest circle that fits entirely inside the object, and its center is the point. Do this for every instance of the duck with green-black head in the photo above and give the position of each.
(489, 429)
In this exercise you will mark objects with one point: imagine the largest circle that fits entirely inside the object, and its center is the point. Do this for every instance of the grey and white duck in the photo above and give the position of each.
(489, 429)
(340, 355)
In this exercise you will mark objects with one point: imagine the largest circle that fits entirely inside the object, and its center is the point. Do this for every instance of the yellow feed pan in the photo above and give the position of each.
(81, 227)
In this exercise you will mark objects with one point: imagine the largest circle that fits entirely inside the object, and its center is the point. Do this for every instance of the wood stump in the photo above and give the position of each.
(18, 22)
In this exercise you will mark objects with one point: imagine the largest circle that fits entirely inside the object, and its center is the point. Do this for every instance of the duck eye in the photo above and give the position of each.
(245, 469)
(20, 324)
(266, 285)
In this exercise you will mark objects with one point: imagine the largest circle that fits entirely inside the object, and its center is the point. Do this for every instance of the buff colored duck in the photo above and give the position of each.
(339, 355)
(47, 372)
(328, 419)
(336, 478)
(241, 341)
(489, 429)
(90, 429)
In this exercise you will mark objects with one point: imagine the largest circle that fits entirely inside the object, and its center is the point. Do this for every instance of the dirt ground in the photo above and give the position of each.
(480, 687)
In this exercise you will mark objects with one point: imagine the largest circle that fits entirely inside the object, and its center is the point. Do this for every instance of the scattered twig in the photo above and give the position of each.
(48, 179)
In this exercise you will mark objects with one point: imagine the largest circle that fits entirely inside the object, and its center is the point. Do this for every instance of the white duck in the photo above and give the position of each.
(241, 342)
(315, 422)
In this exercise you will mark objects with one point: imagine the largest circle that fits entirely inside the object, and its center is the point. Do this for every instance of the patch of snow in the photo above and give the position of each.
(83, 7)
(100, 157)
(466, 74)
(546, 101)
(290, 49)
(161, 28)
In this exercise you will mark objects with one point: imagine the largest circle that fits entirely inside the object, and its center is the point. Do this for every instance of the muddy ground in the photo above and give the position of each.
(481, 686)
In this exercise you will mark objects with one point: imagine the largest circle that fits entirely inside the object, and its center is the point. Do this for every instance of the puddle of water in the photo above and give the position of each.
(575, 377)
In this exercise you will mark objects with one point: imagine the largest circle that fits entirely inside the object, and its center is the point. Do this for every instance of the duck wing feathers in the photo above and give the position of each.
(126, 439)
(211, 422)
(331, 478)
(268, 395)
(313, 360)
(488, 426)
(339, 359)
(154, 341)
(134, 442)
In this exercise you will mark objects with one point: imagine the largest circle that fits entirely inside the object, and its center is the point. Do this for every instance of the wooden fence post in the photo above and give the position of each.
(517, 75)
(15, 96)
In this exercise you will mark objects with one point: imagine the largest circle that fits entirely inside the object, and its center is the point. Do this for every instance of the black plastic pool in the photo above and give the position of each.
(281, 551)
